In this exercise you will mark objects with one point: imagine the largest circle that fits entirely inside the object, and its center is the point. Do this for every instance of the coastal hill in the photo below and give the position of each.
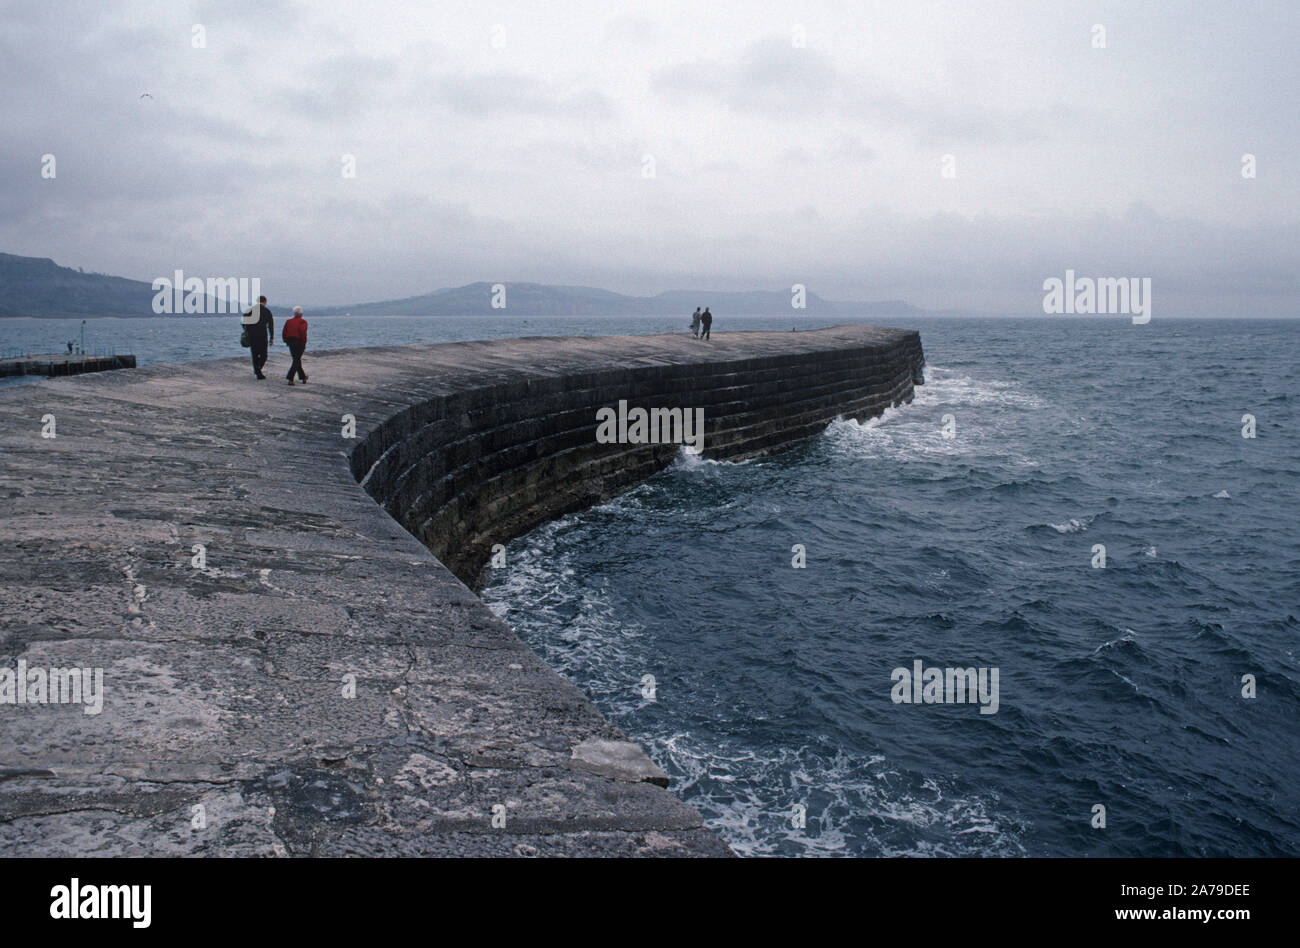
(37, 286)
(538, 299)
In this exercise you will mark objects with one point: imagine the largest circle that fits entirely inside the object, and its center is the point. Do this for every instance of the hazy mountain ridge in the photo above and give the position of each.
(39, 287)
(539, 299)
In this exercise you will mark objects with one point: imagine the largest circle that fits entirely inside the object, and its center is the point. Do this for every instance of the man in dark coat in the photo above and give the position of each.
(261, 333)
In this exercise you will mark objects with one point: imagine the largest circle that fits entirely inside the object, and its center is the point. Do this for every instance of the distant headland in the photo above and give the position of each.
(39, 287)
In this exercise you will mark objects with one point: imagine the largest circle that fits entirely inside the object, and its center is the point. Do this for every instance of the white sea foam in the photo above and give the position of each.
(585, 640)
(1128, 681)
(687, 461)
(946, 386)
(1128, 636)
(1071, 526)
(987, 415)
(753, 806)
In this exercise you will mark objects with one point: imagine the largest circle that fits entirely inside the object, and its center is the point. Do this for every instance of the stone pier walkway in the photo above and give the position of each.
(286, 670)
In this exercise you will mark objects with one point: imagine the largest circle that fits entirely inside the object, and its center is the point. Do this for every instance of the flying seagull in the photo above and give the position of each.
(145, 95)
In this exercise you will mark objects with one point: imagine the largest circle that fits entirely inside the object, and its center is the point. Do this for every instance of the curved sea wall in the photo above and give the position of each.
(474, 468)
(270, 664)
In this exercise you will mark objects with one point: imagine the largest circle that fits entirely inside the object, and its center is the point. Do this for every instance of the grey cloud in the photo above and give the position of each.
(630, 28)
(691, 79)
(773, 75)
(341, 85)
(774, 78)
(487, 95)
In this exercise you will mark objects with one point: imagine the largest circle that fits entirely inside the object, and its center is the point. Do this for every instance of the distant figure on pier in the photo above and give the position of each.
(706, 320)
(294, 335)
(261, 333)
(695, 323)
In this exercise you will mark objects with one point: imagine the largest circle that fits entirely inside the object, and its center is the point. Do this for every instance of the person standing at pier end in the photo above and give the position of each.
(706, 320)
(695, 323)
(294, 335)
(261, 333)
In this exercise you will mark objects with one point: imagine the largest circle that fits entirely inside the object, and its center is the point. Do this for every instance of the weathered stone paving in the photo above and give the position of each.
(315, 681)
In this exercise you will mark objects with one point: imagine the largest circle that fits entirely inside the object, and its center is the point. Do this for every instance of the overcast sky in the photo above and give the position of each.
(508, 141)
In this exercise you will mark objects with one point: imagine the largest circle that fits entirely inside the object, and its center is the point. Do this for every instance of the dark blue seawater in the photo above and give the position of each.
(1120, 686)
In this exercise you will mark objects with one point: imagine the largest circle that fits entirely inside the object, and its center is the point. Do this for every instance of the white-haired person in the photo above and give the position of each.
(294, 335)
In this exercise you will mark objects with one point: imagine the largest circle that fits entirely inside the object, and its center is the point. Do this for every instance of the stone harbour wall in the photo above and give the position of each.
(273, 585)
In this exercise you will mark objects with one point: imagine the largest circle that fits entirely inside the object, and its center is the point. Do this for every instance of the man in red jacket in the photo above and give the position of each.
(294, 335)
